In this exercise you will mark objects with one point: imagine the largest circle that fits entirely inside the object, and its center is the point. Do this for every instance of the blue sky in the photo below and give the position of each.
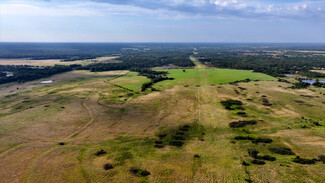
(162, 21)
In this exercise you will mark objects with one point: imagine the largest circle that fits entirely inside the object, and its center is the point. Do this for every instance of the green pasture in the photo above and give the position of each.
(131, 81)
(209, 76)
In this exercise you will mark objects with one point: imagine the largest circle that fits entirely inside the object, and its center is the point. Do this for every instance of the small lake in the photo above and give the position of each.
(310, 81)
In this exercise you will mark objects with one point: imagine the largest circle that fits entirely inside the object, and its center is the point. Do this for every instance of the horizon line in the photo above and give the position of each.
(162, 42)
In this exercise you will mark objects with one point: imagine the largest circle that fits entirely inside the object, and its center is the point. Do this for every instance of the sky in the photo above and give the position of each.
(275, 21)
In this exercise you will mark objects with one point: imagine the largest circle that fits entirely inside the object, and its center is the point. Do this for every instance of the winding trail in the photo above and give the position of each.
(37, 159)
(91, 121)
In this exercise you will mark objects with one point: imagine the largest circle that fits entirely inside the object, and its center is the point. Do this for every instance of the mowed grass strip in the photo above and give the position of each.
(131, 81)
(214, 76)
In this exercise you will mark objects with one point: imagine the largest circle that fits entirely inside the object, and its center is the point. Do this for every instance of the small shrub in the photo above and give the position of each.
(178, 137)
(162, 135)
(100, 152)
(245, 163)
(267, 158)
(258, 162)
(159, 146)
(299, 160)
(244, 138)
(108, 166)
(322, 158)
(139, 172)
(232, 104)
(158, 142)
(239, 124)
(243, 114)
(253, 153)
(262, 140)
(176, 143)
(281, 150)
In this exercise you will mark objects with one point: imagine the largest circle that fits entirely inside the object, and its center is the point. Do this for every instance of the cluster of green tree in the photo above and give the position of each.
(64, 51)
(28, 73)
(319, 84)
(300, 85)
(311, 74)
(145, 60)
(269, 65)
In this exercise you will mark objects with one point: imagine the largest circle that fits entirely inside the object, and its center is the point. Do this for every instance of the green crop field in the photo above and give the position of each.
(131, 81)
(209, 76)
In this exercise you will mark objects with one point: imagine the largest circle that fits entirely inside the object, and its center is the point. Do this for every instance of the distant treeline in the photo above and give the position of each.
(28, 73)
(268, 65)
(146, 60)
(262, 58)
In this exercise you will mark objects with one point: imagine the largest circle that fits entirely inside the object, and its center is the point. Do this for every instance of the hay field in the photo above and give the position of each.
(68, 130)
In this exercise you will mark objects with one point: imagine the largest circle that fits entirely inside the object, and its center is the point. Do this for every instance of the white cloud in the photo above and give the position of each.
(243, 9)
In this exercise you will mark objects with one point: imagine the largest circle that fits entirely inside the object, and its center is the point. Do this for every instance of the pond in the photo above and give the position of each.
(310, 81)
(46, 82)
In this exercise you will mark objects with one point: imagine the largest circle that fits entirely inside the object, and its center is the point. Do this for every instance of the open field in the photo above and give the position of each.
(320, 71)
(51, 62)
(194, 77)
(131, 81)
(88, 113)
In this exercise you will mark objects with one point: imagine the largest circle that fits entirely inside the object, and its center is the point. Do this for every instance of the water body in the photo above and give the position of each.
(310, 81)
(46, 82)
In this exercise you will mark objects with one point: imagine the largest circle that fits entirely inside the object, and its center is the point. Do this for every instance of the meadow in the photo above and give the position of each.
(90, 127)
(193, 77)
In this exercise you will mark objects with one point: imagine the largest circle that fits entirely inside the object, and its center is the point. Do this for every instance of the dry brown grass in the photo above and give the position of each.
(30, 152)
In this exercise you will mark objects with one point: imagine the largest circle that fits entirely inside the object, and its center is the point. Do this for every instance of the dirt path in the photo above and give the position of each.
(90, 122)
(198, 64)
(37, 159)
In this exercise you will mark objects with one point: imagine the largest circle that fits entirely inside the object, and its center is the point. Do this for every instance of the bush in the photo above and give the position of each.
(243, 114)
(139, 172)
(244, 138)
(258, 162)
(267, 158)
(262, 140)
(322, 158)
(239, 124)
(108, 166)
(159, 146)
(245, 163)
(253, 153)
(100, 152)
(176, 143)
(297, 159)
(281, 150)
(232, 104)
